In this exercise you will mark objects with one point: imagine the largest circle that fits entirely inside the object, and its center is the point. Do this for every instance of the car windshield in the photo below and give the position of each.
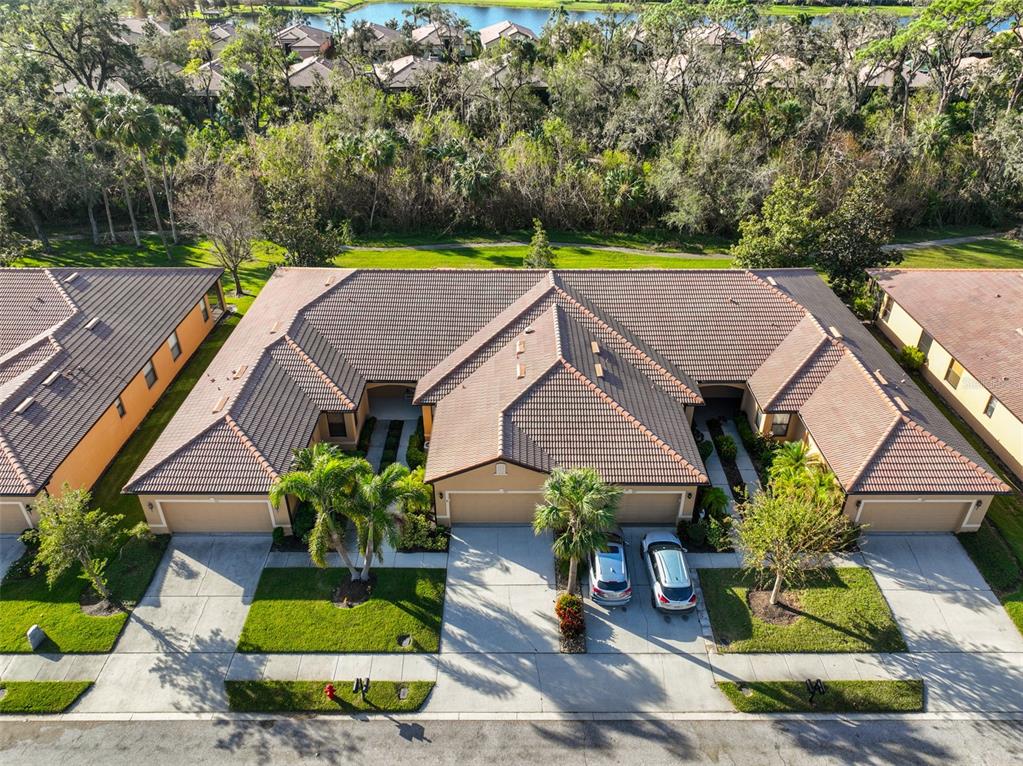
(610, 568)
(670, 566)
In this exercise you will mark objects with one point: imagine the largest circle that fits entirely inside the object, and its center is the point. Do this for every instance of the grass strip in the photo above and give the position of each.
(839, 697)
(32, 697)
(309, 697)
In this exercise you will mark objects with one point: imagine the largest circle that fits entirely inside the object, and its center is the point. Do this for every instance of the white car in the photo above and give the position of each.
(609, 574)
(671, 588)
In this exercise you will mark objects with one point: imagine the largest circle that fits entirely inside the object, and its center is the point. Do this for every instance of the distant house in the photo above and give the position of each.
(304, 41)
(969, 325)
(212, 72)
(442, 40)
(84, 355)
(221, 35)
(135, 30)
(505, 30)
(498, 71)
(310, 72)
(405, 73)
(376, 39)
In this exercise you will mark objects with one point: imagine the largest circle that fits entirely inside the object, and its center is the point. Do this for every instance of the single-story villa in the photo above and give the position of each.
(84, 355)
(516, 372)
(969, 325)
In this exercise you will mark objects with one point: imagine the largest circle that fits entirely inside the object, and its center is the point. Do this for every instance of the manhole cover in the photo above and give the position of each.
(403, 692)
(404, 640)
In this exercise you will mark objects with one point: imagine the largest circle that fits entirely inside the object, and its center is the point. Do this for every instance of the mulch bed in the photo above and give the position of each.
(786, 611)
(731, 469)
(290, 544)
(96, 606)
(353, 592)
(574, 644)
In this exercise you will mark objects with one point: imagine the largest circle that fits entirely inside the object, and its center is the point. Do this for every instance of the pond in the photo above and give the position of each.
(477, 16)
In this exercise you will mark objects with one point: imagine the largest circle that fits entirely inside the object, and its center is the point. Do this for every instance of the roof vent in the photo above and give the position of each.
(1019, 330)
(902, 404)
(330, 281)
(25, 404)
(834, 331)
(240, 371)
(71, 278)
(733, 300)
(529, 331)
(92, 323)
(520, 371)
(771, 281)
(276, 327)
(599, 369)
(51, 378)
(880, 378)
(220, 404)
(520, 346)
(594, 347)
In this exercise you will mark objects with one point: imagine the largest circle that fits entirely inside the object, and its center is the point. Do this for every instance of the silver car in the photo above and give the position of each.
(609, 574)
(671, 589)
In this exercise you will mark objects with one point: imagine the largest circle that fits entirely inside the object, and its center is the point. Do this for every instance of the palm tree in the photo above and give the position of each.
(379, 505)
(170, 147)
(325, 478)
(90, 107)
(790, 460)
(377, 151)
(580, 509)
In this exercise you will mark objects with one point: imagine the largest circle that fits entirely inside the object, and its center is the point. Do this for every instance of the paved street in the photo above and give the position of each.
(483, 743)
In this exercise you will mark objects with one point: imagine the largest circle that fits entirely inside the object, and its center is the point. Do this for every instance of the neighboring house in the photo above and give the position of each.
(442, 40)
(304, 41)
(499, 71)
(376, 39)
(84, 355)
(135, 30)
(969, 324)
(211, 75)
(221, 35)
(405, 73)
(517, 372)
(310, 72)
(505, 30)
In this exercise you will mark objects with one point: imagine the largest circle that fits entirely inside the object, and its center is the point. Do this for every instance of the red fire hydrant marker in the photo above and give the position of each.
(329, 691)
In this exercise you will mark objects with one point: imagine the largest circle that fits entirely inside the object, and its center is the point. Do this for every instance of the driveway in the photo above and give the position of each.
(11, 549)
(500, 592)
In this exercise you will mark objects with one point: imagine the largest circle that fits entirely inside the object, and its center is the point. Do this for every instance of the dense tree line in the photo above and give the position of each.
(804, 138)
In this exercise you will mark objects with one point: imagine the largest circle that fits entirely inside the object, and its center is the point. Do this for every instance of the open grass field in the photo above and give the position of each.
(840, 697)
(309, 697)
(841, 610)
(292, 611)
(982, 254)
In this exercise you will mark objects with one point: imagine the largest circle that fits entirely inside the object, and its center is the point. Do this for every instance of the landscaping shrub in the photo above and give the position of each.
(911, 358)
(305, 519)
(725, 445)
(420, 533)
(569, 609)
(698, 436)
(391, 443)
(718, 533)
(714, 502)
(706, 448)
(367, 431)
(278, 535)
(697, 534)
(415, 457)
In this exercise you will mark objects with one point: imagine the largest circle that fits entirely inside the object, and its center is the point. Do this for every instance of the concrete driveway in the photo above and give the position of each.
(11, 549)
(500, 592)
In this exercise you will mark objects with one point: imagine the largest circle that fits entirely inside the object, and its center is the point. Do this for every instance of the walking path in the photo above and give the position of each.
(942, 242)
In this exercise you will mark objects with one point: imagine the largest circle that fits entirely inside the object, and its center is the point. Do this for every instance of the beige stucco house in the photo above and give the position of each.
(969, 325)
(84, 356)
(517, 372)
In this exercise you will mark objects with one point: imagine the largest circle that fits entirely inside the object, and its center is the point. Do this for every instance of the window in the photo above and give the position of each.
(149, 371)
(337, 426)
(205, 311)
(119, 406)
(175, 345)
(992, 403)
(954, 373)
(924, 344)
(780, 424)
(886, 307)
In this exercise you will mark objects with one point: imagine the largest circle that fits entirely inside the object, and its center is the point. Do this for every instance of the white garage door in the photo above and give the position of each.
(895, 516)
(204, 516)
(493, 508)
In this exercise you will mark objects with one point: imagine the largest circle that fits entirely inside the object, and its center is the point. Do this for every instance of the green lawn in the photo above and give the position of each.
(34, 697)
(928, 233)
(494, 257)
(840, 697)
(982, 254)
(292, 612)
(842, 611)
(308, 697)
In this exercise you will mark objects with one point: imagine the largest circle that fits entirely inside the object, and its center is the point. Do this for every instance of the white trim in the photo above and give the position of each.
(27, 515)
(159, 510)
(273, 519)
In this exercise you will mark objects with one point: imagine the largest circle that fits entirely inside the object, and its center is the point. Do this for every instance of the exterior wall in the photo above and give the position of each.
(15, 517)
(427, 421)
(912, 513)
(480, 496)
(216, 513)
(763, 421)
(97, 449)
(1002, 432)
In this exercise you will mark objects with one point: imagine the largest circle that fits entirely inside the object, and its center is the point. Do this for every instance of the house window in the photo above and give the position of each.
(149, 372)
(119, 406)
(205, 311)
(954, 373)
(337, 426)
(992, 403)
(886, 307)
(780, 424)
(924, 344)
(175, 345)
(500, 470)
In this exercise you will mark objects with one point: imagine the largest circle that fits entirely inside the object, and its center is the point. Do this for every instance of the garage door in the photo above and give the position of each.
(12, 520)
(493, 508)
(198, 516)
(913, 517)
(652, 508)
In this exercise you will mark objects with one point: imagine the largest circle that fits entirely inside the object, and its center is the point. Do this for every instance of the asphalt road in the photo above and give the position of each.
(525, 743)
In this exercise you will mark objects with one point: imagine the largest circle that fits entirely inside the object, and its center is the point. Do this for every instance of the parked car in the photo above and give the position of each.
(609, 574)
(671, 588)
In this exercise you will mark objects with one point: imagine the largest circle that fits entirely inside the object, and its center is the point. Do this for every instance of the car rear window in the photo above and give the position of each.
(677, 594)
(612, 586)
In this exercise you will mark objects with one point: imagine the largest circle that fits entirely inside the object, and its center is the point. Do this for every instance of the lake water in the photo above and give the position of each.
(478, 16)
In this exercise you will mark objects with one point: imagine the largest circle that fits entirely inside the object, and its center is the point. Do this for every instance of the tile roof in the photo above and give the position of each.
(976, 315)
(46, 330)
(314, 338)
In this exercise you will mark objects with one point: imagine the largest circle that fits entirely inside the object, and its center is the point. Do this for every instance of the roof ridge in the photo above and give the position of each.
(63, 293)
(797, 369)
(634, 421)
(872, 455)
(318, 371)
(955, 453)
(19, 469)
(250, 445)
(635, 349)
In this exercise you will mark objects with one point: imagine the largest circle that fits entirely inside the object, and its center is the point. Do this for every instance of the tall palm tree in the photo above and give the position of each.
(325, 478)
(790, 460)
(580, 509)
(170, 147)
(89, 107)
(377, 152)
(379, 503)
